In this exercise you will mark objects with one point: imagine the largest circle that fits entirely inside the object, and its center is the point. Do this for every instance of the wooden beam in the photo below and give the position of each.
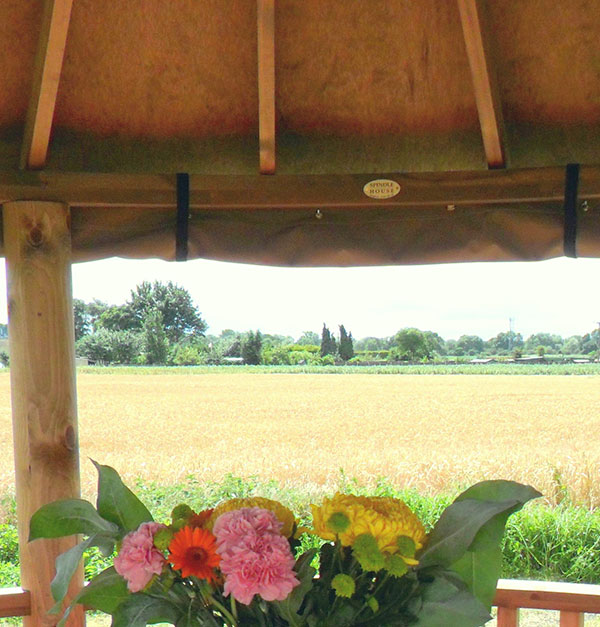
(37, 247)
(310, 191)
(472, 16)
(548, 595)
(266, 84)
(14, 602)
(48, 66)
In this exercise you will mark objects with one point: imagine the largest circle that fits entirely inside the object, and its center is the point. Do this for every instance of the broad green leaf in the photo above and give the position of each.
(117, 503)
(499, 490)
(288, 608)
(69, 517)
(140, 610)
(66, 565)
(481, 566)
(480, 570)
(456, 529)
(105, 592)
(446, 602)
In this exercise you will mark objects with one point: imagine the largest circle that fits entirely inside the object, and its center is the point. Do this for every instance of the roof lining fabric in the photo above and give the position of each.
(515, 215)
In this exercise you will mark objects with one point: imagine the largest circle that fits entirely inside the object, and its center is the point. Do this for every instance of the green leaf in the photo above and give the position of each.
(117, 503)
(140, 610)
(69, 517)
(288, 608)
(105, 592)
(481, 566)
(499, 490)
(480, 570)
(66, 565)
(456, 529)
(446, 602)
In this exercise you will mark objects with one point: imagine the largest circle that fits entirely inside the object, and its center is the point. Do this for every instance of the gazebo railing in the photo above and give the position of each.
(572, 600)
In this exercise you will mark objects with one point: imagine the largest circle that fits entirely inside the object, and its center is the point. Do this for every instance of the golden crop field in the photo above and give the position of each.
(430, 432)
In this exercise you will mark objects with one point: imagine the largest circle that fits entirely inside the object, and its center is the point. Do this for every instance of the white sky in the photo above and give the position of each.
(557, 296)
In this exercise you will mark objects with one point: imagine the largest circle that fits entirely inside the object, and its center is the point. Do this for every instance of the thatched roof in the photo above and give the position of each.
(376, 88)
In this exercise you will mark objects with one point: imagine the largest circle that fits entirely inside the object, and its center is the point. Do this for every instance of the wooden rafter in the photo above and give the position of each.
(48, 66)
(266, 84)
(472, 15)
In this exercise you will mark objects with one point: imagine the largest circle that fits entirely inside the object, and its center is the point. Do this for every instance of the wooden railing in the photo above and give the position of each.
(572, 600)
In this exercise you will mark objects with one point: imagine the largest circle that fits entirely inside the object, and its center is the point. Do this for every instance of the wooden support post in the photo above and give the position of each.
(508, 617)
(571, 619)
(37, 246)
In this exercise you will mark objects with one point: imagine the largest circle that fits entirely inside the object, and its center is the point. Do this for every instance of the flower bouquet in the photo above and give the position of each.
(241, 563)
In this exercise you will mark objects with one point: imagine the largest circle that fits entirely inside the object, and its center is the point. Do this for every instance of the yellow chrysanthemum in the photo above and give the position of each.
(283, 514)
(384, 518)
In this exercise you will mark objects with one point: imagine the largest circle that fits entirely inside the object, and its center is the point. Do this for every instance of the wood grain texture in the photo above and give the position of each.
(46, 78)
(44, 406)
(569, 598)
(266, 84)
(508, 617)
(489, 109)
(14, 602)
(571, 619)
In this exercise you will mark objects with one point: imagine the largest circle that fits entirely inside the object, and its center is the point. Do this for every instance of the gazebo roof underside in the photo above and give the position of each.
(359, 88)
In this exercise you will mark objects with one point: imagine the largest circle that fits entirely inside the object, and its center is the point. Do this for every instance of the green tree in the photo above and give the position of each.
(81, 318)
(328, 343)
(346, 347)
(552, 343)
(179, 314)
(309, 338)
(470, 345)
(252, 348)
(436, 343)
(504, 343)
(110, 347)
(572, 346)
(117, 318)
(94, 311)
(156, 344)
(411, 345)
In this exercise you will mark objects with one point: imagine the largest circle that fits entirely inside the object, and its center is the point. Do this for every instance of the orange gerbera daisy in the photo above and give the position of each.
(193, 551)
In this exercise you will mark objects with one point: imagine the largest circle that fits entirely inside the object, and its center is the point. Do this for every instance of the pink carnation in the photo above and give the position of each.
(139, 560)
(255, 557)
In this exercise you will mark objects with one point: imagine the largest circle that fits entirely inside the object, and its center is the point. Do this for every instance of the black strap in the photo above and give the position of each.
(571, 184)
(183, 216)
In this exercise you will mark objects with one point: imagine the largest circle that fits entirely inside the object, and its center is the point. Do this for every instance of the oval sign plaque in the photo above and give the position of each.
(380, 189)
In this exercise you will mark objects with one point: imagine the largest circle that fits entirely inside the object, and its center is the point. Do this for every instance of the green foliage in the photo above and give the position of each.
(308, 338)
(156, 345)
(411, 345)
(180, 316)
(110, 347)
(559, 544)
(184, 354)
(328, 343)
(346, 348)
(252, 348)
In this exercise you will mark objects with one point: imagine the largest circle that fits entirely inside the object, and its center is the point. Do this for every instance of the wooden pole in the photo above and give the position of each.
(42, 367)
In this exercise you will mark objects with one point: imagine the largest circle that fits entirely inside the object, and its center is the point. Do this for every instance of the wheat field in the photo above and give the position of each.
(433, 433)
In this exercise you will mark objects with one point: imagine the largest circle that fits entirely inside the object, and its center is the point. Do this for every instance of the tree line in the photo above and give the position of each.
(160, 324)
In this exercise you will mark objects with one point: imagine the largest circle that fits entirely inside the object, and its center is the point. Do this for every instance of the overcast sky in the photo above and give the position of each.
(558, 296)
